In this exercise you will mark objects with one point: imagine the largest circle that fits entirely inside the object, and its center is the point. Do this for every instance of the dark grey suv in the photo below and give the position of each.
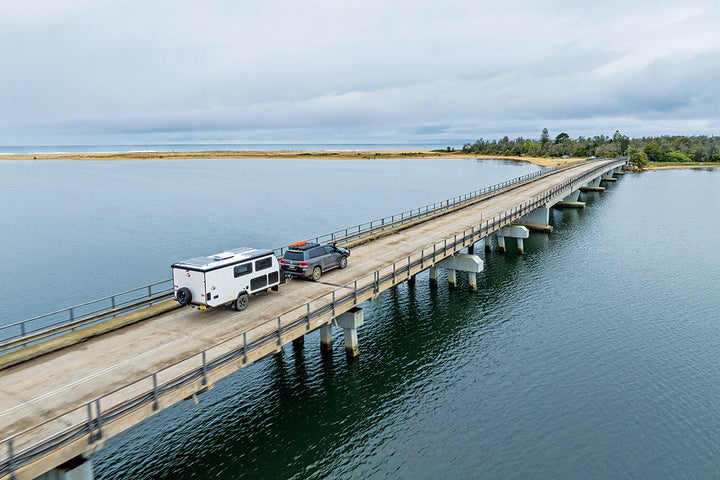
(311, 260)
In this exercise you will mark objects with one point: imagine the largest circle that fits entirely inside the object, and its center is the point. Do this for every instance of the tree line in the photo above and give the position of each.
(641, 150)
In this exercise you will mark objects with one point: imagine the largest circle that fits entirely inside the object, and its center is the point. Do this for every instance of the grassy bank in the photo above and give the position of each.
(674, 165)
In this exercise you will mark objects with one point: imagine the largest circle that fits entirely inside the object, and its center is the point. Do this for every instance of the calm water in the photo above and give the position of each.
(594, 355)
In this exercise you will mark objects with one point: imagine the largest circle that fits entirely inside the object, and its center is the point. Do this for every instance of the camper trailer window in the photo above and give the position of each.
(263, 263)
(243, 269)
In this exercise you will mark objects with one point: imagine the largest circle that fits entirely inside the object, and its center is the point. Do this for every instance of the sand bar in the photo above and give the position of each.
(326, 154)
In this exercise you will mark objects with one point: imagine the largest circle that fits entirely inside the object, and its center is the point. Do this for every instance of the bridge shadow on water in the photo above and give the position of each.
(297, 414)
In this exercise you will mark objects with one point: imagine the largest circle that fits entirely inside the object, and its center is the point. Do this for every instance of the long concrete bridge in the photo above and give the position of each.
(58, 404)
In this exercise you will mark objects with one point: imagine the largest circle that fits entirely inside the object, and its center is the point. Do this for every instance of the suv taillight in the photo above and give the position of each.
(303, 264)
(282, 262)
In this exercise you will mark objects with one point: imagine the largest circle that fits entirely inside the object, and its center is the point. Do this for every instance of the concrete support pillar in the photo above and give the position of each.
(433, 276)
(326, 338)
(452, 279)
(350, 321)
(501, 243)
(411, 281)
(537, 221)
(472, 280)
(299, 343)
(462, 263)
(571, 201)
(513, 231)
(608, 177)
(573, 197)
(487, 243)
(79, 468)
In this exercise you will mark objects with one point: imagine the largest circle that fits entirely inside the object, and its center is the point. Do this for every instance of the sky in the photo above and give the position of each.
(94, 72)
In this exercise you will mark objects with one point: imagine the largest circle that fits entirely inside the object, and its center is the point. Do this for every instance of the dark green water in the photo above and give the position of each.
(594, 355)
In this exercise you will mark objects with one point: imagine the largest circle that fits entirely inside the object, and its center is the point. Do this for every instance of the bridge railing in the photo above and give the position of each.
(50, 324)
(90, 419)
(366, 229)
(82, 315)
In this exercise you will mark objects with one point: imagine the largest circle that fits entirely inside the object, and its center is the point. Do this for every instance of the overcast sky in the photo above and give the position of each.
(127, 71)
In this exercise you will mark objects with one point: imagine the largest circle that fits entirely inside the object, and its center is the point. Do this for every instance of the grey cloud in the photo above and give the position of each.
(318, 71)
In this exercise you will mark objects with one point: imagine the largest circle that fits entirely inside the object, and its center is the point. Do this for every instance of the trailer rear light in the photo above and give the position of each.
(303, 264)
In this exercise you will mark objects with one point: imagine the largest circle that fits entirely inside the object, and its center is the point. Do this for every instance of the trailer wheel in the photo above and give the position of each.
(317, 271)
(242, 302)
(343, 261)
(184, 296)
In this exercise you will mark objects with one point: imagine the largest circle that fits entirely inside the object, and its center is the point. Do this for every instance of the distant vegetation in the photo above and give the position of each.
(676, 149)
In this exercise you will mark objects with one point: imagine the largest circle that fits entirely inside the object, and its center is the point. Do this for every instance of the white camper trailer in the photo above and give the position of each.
(226, 278)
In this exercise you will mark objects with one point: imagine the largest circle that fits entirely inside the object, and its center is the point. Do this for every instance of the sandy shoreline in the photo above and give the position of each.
(325, 154)
(677, 167)
(344, 155)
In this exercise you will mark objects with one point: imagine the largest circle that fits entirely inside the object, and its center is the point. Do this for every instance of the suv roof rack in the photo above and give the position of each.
(303, 246)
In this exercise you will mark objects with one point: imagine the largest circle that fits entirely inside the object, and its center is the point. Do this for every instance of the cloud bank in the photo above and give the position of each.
(126, 71)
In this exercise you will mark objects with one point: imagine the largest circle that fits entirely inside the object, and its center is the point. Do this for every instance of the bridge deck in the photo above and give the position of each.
(36, 391)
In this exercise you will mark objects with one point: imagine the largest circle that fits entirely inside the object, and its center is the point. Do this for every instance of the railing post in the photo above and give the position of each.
(308, 315)
(91, 432)
(245, 346)
(354, 288)
(149, 291)
(98, 420)
(72, 315)
(422, 259)
(279, 340)
(333, 304)
(155, 392)
(204, 369)
(112, 301)
(408, 266)
(11, 458)
(393, 273)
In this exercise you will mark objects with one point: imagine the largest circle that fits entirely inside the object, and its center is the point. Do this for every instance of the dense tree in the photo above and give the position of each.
(622, 142)
(653, 149)
(562, 136)
(544, 136)
(654, 152)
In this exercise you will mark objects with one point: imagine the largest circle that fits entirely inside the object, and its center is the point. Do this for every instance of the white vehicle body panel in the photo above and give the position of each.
(219, 279)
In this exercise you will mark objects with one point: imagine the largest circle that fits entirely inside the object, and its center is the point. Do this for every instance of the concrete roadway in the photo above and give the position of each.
(39, 389)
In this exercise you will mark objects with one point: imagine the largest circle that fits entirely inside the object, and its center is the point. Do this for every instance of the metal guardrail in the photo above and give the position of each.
(375, 226)
(88, 419)
(38, 328)
(45, 326)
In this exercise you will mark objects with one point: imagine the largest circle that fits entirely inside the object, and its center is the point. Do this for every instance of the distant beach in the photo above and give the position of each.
(324, 154)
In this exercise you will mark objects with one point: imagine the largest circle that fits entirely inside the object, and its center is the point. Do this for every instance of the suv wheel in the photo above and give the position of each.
(343, 261)
(317, 271)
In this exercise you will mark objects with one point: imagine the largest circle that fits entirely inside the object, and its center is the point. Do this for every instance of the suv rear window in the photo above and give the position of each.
(297, 256)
